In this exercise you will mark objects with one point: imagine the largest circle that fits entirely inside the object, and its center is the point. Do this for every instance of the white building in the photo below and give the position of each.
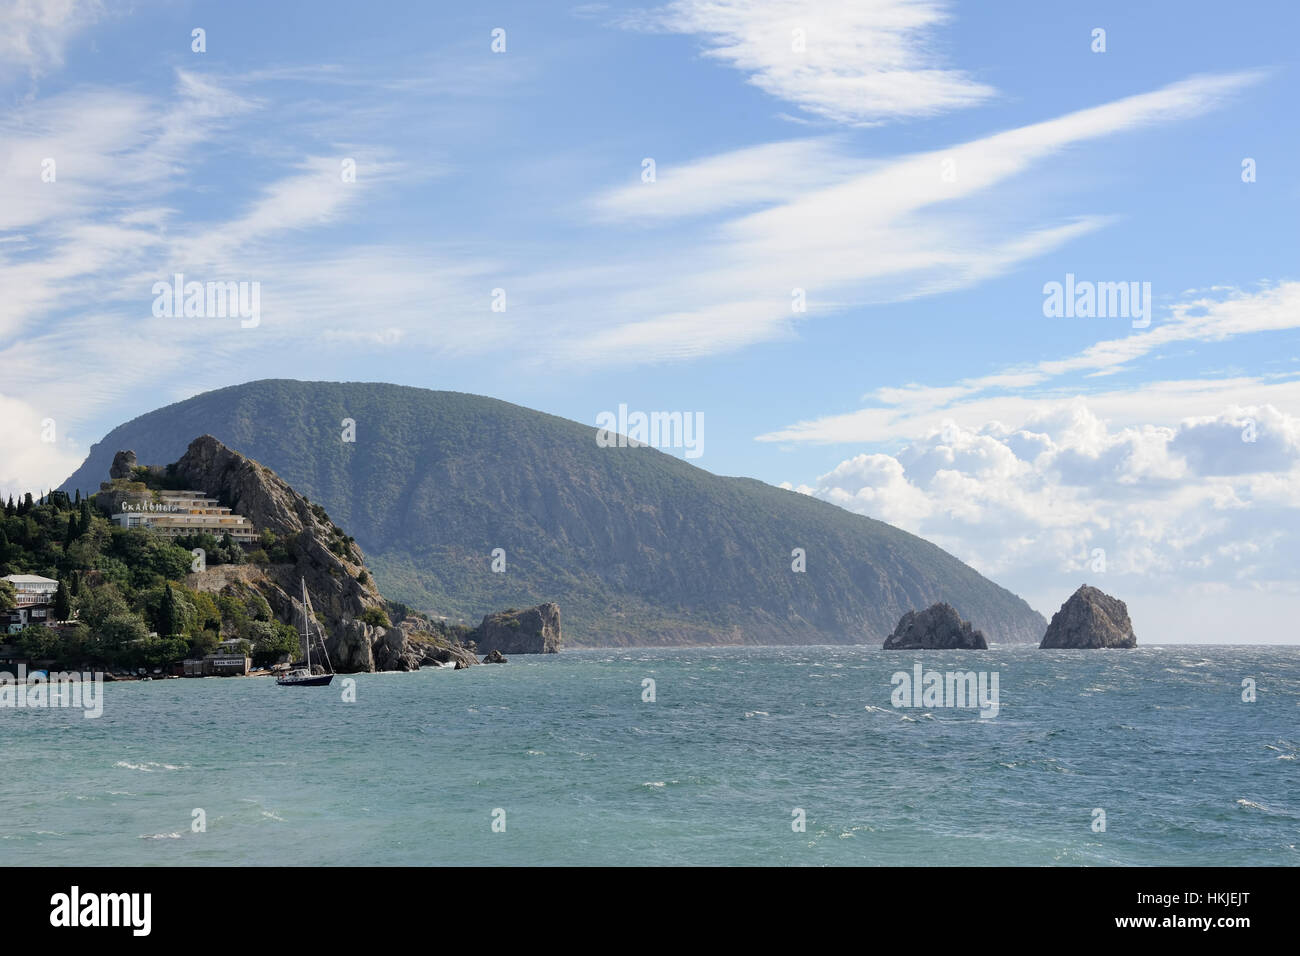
(32, 588)
(180, 513)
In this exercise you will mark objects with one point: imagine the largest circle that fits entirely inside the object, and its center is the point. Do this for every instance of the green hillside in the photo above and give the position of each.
(637, 547)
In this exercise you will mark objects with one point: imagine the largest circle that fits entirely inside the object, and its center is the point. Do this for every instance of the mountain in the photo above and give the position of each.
(638, 547)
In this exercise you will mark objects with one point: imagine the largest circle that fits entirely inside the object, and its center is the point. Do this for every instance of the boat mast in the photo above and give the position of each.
(306, 623)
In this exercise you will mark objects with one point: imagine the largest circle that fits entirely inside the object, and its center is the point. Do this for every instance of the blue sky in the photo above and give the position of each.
(920, 170)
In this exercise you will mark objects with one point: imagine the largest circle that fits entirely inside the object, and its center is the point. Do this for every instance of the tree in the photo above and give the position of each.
(8, 596)
(273, 641)
(120, 630)
(62, 602)
(95, 606)
(38, 642)
(233, 552)
(171, 618)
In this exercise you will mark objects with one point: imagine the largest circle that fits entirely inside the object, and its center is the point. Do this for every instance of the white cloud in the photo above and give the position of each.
(890, 231)
(909, 411)
(772, 172)
(860, 61)
(36, 31)
(32, 462)
(1029, 504)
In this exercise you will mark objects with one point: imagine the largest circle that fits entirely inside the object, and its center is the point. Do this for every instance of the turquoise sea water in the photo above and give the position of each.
(588, 773)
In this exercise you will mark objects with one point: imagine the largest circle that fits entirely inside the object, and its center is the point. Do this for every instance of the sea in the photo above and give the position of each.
(789, 756)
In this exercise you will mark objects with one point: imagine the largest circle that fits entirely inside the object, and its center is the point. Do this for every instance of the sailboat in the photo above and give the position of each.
(302, 676)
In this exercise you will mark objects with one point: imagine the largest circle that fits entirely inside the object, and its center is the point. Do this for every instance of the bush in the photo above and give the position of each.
(375, 617)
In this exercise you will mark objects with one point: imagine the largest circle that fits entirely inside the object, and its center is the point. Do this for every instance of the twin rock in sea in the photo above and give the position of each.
(1090, 618)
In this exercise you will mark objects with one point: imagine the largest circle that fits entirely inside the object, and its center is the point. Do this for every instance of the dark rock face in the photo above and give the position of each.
(1090, 618)
(534, 631)
(495, 657)
(938, 627)
(123, 463)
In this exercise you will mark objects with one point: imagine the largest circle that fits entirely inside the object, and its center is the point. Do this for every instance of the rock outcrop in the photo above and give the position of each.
(533, 631)
(495, 657)
(349, 607)
(1090, 618)
(938, 627)
(123, 464)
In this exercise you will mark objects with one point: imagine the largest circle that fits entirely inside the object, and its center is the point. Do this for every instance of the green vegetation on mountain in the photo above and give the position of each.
(123, 592)
(637, 547)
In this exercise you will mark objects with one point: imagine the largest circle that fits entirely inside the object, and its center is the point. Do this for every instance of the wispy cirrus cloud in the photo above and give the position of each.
(1016, 394)
(846, 61)
(894, 229)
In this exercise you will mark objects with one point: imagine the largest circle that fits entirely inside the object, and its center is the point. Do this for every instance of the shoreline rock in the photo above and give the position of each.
(532, 631)
(938, 627)
(1089, 619)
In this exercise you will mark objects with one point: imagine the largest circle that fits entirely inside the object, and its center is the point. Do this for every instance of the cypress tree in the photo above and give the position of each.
(62, 603)
(168, 614)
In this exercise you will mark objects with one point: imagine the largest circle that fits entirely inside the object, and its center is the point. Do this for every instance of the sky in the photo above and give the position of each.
(827, 230)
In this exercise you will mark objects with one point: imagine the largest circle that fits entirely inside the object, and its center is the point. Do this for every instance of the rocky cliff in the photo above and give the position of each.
(534, 631)
(348, 606)
(1090, 618)
(938, 627)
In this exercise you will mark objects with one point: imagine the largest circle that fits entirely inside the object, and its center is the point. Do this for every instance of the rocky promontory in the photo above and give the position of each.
(354, 617)
(533, 631)
(1090, 618)
(938, 627)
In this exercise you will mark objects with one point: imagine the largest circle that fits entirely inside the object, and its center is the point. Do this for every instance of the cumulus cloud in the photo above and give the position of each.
(37, 453)
(1210, 499)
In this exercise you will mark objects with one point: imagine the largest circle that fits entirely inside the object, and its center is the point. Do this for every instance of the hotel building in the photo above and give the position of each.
(180, 513)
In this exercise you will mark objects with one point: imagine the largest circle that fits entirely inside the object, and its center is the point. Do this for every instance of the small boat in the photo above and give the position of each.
(303, 676)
